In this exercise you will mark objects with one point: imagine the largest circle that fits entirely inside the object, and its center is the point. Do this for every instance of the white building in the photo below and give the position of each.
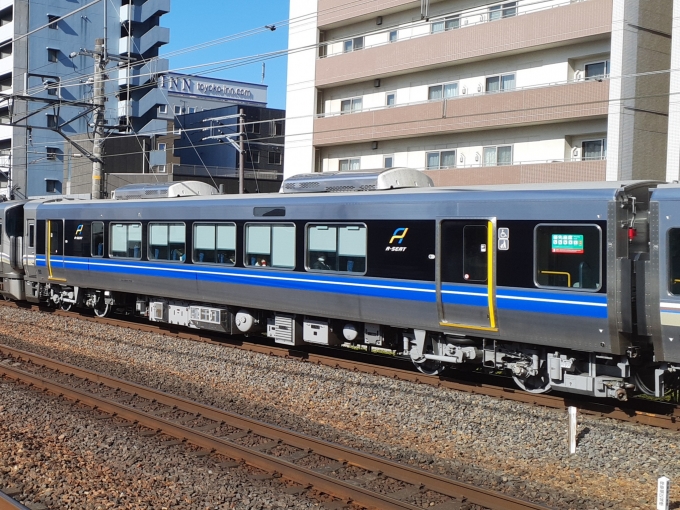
(472, 92)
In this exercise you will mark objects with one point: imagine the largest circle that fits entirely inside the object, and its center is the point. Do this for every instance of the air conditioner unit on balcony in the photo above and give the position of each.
(578, 75)
(576, 153)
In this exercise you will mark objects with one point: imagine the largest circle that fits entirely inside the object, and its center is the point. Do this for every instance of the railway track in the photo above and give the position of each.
(307, 462)
(8, 503)
(640, 411)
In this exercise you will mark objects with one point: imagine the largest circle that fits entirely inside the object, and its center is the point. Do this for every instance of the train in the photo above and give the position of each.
(568, 287)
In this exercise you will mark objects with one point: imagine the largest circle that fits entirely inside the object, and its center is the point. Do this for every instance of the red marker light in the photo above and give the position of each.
(632, 232)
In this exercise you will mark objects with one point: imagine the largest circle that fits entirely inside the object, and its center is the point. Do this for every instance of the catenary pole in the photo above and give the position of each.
(98, 100)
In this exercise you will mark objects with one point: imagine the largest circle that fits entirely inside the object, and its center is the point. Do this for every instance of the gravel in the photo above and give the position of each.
(502, 445)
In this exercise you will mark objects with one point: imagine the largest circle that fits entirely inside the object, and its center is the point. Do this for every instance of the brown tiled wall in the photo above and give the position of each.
(519, 174)
(582, 100)
(334, 11)
(590, 19)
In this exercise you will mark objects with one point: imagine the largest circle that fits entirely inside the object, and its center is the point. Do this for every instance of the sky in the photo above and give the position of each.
(194, 22)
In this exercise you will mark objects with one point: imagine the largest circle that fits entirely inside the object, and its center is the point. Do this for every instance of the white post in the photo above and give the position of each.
(572, 430)
(663, 490)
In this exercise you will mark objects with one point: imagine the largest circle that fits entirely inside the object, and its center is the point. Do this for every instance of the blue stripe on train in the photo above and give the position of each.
(527, 300)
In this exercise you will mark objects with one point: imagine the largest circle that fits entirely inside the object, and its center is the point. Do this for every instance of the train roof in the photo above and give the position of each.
(572, 191)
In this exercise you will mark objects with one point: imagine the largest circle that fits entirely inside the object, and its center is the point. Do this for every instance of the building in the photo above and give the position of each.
(206, 154)
(49, 75)
(477, 92)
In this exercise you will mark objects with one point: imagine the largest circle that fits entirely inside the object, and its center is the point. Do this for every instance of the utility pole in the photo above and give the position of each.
(242, 133)
(98, 101)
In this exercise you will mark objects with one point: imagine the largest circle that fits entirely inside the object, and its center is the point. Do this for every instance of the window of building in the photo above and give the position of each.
(51, 153)
(252, 156)
(52, 121)
(270, 245)
(4, 116)
(278, 128)
(192, 109)
(167, 241)
(274, 158)
(52, 87)
(505, 10)
(163, 109)
(52, 55)
(355, 44)
(349, 164)
(6, 16)
(394, 36)
(442, 25)
(388, 161)
(352, 105)
(158, 169)
(336, 248)
(497, 156)
(161, 146)
(253, 127)
(6, 82)
(215, 243)
(97, 234)
(126, 240)
(52, 20)
(178, 110)
(596, 70)
(445, 90)
(568, 256)
(390, 99)
(51, 186)
(501, 82)
(594, 149)
(438, 160)
(6, 50)
(176, 130)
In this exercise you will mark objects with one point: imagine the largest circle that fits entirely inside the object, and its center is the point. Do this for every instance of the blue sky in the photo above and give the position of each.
(196, 21)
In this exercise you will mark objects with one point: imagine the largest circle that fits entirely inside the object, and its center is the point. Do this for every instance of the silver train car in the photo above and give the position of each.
(567, 287)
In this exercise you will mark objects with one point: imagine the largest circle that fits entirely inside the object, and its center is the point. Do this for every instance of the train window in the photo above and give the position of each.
(568, 256)
(31, 235)
(126, 240)
(475, 255)
(215, 243)
(674, 260)
(336, 248)
(97, 244)
(0, 234)
(167, 241)
(270, 245)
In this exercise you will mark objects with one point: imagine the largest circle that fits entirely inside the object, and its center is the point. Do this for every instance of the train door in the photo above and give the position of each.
(466, 290)
(29, 248)
(55, 250)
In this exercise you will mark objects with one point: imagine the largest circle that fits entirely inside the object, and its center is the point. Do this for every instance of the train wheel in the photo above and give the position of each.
(430, 367)
(102, 309)
(644, 379)
(534, 384)
(65, 306)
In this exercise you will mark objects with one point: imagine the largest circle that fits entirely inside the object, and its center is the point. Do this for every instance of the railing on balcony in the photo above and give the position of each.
(463, 95)
(453, 20)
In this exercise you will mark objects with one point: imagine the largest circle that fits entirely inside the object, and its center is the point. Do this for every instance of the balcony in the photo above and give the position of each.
(139, 108)
(141, 13)
(335, 11)
(155, 37)
(569, 171)
(581, 100)
(6, 32)
(141, 75)
(580, 21)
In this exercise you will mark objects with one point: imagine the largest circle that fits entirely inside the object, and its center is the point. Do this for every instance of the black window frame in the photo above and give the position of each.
(600, 271)
(141, 242)
(215, 224)
(246, 261)
(92, 240)
(337, 225)
(168, 224)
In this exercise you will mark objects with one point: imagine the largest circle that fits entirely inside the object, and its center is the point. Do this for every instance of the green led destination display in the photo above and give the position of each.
(567, 243)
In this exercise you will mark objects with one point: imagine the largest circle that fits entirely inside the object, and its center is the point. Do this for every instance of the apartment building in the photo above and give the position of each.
(55, 63)
(476, 92)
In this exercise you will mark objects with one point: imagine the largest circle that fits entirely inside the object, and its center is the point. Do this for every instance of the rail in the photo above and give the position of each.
(217, 431)
(7, 503)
